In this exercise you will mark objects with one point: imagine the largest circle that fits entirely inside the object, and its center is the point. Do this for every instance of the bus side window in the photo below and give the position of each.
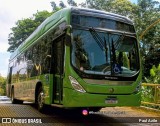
(10, 75)
(14, 77)
(29, 62)
(22, 71)
(46, 50)
(36, 61)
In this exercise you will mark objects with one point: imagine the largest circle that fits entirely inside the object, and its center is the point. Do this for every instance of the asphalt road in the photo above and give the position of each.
(27, 114)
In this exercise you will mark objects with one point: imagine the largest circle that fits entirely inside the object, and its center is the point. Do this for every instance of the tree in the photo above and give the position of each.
(123, 7)
(62, 5)
(154, 75)
(40, 16)
(72, 3)
(24, 28)
(54, 6)
(19, 33)
(2, 85)
(100, 4)
(147, 12)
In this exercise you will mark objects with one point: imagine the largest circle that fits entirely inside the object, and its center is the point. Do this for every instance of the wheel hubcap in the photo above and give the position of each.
(41, 99)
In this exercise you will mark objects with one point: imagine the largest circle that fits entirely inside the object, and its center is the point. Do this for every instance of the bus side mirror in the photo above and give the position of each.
(48, 56)
(68, 27)
(68, 40)
(68, 36)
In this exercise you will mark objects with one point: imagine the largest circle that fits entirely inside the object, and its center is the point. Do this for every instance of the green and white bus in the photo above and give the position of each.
(78, 58)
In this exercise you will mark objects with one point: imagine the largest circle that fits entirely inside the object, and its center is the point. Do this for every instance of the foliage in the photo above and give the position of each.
(24, 28)
(122, 7)
(147, 12)
(62, 5)
(99, 4)
(55, 7)
(72, 3)
(20, 33)
(2, 85)
(148, 94)
(154, 75)
(150, 59)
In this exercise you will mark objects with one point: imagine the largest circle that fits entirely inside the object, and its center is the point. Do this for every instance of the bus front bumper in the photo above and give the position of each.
(72, 98)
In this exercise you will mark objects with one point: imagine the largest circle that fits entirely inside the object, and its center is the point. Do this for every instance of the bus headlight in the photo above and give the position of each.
(76, 85)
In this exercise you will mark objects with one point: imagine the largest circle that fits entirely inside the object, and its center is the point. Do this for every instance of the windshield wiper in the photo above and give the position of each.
(97, 38)
(120, 38)
(102, 44)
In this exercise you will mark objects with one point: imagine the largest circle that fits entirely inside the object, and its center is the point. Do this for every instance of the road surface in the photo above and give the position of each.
(27, 114)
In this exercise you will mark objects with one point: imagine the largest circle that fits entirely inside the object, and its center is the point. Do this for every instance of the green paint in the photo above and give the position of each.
(96, 94)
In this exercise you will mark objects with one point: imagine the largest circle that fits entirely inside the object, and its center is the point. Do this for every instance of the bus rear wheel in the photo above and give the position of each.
(40, 100)
(13, 100)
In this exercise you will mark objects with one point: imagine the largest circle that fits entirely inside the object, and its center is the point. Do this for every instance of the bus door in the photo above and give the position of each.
(58, 59)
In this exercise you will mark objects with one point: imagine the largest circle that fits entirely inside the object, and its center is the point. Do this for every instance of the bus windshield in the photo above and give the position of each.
(104, 53)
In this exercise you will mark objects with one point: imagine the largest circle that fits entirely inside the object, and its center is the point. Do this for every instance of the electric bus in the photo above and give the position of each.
(78, 58)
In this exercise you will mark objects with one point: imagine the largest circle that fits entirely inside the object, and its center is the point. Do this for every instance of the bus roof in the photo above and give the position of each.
(101, 14)
(60, 16)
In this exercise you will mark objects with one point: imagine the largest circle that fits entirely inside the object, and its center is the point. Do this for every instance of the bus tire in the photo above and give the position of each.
(13, 100)
(12, 96)
(40, 100)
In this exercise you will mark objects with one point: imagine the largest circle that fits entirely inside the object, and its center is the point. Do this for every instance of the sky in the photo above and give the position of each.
(10, 12)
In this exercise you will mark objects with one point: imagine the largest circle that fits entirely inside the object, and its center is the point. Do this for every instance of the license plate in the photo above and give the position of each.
(111, 101)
